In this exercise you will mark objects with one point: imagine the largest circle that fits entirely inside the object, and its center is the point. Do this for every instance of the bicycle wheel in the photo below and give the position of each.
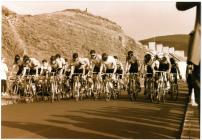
(174, 91)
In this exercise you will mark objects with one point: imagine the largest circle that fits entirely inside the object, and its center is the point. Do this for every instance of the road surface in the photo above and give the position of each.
(95, 119)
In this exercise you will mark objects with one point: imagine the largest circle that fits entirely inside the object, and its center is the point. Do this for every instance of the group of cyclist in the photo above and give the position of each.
(98, 64)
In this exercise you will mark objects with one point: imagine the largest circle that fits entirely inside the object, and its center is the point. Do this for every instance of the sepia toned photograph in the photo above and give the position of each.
(100, 69)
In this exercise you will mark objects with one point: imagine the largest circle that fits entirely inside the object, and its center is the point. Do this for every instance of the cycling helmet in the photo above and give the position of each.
(52, 58)
(147, 57)
(92, 52)
(75, 55)
(25, 58)
(17, 57)
(164, 59)
(57, 56)
(44, 61)
(116, 57)
(130, 53)
(104, 56)
(172, 60)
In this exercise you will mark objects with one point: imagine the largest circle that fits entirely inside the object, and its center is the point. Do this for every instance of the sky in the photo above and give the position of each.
(138, 19)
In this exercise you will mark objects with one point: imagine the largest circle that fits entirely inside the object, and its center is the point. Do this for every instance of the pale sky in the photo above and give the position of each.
(139, 20)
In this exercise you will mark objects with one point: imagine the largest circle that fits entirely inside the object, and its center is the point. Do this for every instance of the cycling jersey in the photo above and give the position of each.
(164, 66)
(110, 63)
(96, 63)
(61, 62)
(149, 70)
(174, 68)
(34, 63)
(54, 67)
(133, 62)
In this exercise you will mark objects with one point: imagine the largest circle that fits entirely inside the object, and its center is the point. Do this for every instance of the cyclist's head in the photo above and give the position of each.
(25, 57)
(147, 58)
(172, 60)
(27, 60)
(130, 53)
(44, 61)
(92, 53)
(104, 57)
(66, 60)
(164, 59)
(57, 56)
(156, 57)
(116, 57)
(75, 56)
(52, 58)
(17, 58)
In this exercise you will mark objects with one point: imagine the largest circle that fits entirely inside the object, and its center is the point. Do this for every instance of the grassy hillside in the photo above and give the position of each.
(179, 42)
(63, 32)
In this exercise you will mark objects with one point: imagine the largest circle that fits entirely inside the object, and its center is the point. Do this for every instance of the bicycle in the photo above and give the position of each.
(173, 86)
(97, 85)
(109, 87)
(76, 87)
(161, 87)
(149, 87)
(133, 86)
(54, 86)
(30, 89)
(118, 85)
(15, 87)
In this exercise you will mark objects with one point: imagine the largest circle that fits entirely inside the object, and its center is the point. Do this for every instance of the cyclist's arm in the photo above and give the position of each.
(122, 68)
(101, 68)
(127, 67)
(115, 66)
(139, 65)
(178, 70)
(25, 68)
(72, 70)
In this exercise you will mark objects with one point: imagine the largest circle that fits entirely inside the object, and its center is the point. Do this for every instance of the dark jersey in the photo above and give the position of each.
(164, 66)
(174, 68)
(133, 64)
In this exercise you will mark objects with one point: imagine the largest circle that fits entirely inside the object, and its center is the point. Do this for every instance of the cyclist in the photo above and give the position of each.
(95, 61)
(67, 68)
(45, 68)
(148, 68)
(133, 66)
(120, 69)
(108, 64)
(175, 69)
(165, 66)
(31, 66)
(61, 63)
(77, 65)
(17, 66)
(53, 65)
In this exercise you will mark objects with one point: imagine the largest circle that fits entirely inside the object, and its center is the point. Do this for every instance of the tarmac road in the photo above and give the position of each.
(95, 119)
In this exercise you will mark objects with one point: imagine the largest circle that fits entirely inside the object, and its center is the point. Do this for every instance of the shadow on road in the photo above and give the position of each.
(141, 121)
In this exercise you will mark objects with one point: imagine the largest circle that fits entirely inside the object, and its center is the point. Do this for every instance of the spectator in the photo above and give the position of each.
(3, 72)
(194, 47)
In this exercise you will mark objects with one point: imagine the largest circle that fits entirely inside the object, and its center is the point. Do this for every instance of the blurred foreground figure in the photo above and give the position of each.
(193, 61)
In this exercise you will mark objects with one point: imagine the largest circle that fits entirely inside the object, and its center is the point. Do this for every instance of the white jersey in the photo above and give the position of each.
(61, 62)
(156, 64)
(85, 61)
(96, 61)
(110, 63)
(3, 71)
(35, 62)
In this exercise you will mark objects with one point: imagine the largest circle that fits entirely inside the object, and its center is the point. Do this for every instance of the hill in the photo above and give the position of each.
(63, 32)
(179, 42)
